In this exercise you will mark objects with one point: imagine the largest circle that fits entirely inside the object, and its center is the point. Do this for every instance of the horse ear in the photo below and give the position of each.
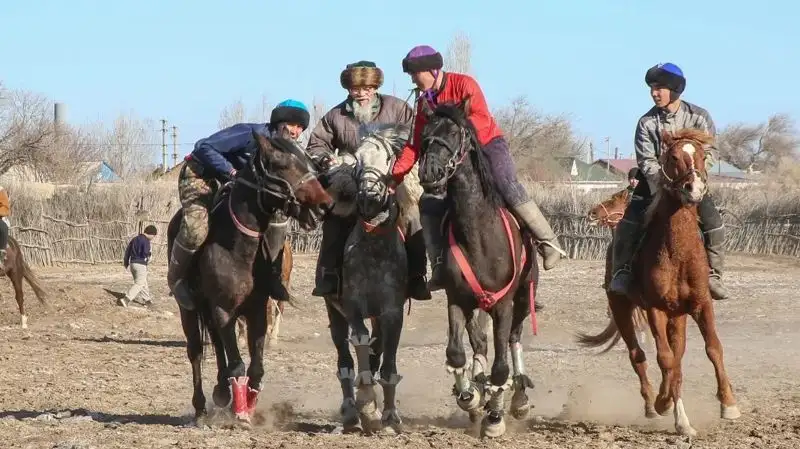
(465, 105)
(263, 144)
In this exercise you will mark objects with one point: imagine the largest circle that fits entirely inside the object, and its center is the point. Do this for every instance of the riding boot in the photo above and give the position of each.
(432, 212)
(714, 243)
(537, 223)
(277, 290)
(176, 273)
(417, 287)
(626, 237)
(275, 238)
(329, 258)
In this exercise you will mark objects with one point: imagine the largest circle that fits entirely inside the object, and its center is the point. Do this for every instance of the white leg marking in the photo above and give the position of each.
(24, 321)
(682, 421)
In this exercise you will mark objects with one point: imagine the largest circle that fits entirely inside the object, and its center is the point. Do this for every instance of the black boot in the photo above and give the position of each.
(329, 261)
(417, 266)
(277, 290)
(432, 212)
(626, 237)
(178, 266)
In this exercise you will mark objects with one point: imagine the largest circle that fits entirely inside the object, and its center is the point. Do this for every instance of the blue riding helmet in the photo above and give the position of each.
(667, 75)
(290, 111)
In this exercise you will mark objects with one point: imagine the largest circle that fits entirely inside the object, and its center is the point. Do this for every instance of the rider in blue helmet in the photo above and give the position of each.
(667, 82)
(214, 160)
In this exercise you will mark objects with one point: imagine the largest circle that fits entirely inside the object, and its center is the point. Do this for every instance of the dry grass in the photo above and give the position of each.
(93, 224)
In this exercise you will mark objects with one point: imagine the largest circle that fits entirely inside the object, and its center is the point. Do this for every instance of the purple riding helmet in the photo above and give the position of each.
(424, 58)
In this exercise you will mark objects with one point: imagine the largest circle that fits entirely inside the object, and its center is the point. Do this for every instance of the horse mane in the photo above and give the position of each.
(700, 136)
(487, 182)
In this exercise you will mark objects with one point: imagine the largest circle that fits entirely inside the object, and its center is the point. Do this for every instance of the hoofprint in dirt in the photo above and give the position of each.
(88, 373)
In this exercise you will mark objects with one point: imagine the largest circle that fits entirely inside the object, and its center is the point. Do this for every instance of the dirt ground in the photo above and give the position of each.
(90, 374)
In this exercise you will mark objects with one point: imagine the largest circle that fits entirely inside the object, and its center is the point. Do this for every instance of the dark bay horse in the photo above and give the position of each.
(230, 274)
(374, 276)
(491, 264)
(17, 269)
(671, 272)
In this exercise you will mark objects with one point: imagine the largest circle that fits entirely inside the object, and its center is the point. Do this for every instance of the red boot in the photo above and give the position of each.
(239, 404)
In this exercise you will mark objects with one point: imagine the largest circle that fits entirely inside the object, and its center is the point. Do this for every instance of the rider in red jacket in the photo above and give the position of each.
(424, 64)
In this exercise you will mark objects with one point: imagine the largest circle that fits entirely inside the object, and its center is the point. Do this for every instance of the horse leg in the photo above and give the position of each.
(665, 357)
(256, 334)
(520, 381)
(339, 333)
(366, 402)
(704, 317)
(391, 326)
(493, 424)
(16, 282)
(468, 396)
(194, 351)
(222, 390)
(276, 315)
(236, 369)
(376, 347)
(476, 332)
(676, 331)
(622, 310)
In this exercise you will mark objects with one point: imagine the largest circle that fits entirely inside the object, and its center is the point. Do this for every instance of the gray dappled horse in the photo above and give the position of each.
(374, 275)
(490, 264)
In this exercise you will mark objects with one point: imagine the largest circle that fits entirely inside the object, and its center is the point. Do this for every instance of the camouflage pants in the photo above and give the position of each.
(197, 195)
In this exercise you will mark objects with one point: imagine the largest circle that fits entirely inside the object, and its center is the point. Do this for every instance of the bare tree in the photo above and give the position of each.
(534, 137)
(759, 147)
(26, 127)
(458, 56)
(73, 146)
(130, 145)
(237, 112)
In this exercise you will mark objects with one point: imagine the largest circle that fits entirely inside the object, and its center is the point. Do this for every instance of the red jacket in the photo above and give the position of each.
(456, 88)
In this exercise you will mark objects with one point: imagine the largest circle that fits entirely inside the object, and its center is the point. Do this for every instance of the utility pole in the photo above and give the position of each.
(591, 152)
(174, 145)
(608, 154)
(163, 145)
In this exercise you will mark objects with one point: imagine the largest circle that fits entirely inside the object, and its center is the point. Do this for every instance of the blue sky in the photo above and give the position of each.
(186, 60)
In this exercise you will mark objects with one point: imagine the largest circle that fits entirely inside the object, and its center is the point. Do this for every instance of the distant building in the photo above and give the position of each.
(97, 171)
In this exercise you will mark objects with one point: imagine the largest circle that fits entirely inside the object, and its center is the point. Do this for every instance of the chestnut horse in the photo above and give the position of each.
(671, 272)
(17, 269)
(608, 214)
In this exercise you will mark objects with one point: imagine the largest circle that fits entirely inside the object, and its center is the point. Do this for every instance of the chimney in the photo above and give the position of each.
(59, 118)
(616, 152)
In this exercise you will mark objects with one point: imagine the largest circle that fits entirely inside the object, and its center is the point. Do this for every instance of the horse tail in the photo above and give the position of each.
(28, 275)
(611, 332)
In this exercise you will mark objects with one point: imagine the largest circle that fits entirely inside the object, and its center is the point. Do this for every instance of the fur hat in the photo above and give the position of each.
(667, 75)
(422, 58)
(361, 74)
(290, 111)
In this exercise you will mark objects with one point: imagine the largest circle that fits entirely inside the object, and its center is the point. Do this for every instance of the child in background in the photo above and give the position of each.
(137, 255)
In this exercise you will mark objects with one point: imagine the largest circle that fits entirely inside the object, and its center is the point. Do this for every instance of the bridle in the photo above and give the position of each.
(370, 179)
(676, 184)
(457, 155)
(272, 192)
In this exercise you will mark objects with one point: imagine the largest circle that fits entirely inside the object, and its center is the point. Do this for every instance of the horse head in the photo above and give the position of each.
(447, 138)
(609, 212)
(375, 156)
(285, 179)
(683, 165)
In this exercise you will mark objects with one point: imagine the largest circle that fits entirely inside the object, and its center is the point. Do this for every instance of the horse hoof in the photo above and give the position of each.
(520, 412)
(390, 418)
(686, 430)
(664, 406)
(24, 321)
(221, 396)
(729, 411)
(371, 422)
(469, 401)
(650, 412)
(200, 417)
(493, 427)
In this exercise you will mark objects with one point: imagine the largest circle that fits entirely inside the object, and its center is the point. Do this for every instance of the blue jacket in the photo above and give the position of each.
(138, 251)
(229, 148)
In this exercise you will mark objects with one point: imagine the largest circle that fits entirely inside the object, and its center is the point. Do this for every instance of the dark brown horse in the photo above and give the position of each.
(491, 265)
(275, 308)
(230, 273)
(671, 269)
(17, 269)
